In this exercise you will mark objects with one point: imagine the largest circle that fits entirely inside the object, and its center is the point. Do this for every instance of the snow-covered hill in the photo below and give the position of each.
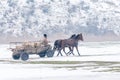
(35, 17)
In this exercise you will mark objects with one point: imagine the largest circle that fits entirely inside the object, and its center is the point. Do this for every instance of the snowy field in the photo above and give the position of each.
(98, 61)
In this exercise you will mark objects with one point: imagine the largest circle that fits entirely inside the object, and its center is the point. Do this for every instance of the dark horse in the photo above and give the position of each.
(58, 46)
(70, 43)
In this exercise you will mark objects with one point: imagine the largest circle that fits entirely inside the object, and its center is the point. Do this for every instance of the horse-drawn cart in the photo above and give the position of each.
(24, 49)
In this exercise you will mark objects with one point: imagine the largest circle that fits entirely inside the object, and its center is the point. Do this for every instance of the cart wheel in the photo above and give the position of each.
(42, 54)
(24, 56)
(50, 53)
(16, 56)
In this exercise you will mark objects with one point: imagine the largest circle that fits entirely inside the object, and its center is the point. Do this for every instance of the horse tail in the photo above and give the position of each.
(57, 44)
(60, 43)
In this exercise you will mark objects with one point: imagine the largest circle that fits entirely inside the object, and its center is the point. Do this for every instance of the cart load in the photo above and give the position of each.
(24, 49)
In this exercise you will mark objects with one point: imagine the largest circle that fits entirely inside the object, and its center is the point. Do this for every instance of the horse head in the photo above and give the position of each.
(73, 36)
(79, 37)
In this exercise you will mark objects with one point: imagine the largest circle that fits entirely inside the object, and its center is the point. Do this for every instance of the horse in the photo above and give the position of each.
(57, 45)
(71, 43)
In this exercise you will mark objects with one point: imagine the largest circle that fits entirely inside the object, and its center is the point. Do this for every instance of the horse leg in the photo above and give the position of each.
(72, 50)
(69, 51)
(77, 50)
(54, 49)
(59, 52)
(64, 51)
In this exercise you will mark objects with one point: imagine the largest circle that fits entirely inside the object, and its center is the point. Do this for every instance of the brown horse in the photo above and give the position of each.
(71, 43)
(58, 46)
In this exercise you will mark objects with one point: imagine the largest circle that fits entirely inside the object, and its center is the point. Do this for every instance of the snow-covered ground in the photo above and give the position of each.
(98, 60)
